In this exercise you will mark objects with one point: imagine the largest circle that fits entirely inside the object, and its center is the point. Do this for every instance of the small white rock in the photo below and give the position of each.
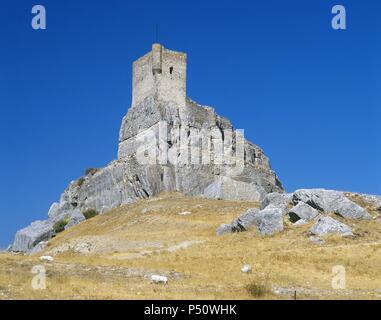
(185, 213)
(299, 223)
(316, 240)
(47, 258)
(159, 279)
(246, 268)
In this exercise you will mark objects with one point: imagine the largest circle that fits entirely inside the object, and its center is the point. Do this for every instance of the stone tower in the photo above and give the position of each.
(160, 74)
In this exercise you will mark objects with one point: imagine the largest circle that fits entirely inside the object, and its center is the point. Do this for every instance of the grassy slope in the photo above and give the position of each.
(126, 246)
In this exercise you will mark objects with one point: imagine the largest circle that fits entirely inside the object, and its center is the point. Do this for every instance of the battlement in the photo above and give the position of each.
(161, 74)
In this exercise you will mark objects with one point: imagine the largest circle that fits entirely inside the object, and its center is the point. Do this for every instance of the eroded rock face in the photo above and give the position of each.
(27, 238)
(39, 247)
(326, 225)
(76, 218)
(229, 189)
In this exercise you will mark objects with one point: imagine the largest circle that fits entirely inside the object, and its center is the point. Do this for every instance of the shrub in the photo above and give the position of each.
(60, 225)
(257, 289)
(90, 213)
(80, 181)
(91, 171)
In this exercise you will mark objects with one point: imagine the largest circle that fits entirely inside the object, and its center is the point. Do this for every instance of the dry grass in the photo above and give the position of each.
(127, 246)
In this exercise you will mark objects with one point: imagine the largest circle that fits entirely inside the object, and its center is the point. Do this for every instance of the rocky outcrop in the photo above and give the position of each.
(327, 225)
(330, 201)
(27, 238)
(267, 222)
(76, 218)
(245, 221)
(229, 189)
(279, 200)
(39, 247)
(302, 211)
(308, 205)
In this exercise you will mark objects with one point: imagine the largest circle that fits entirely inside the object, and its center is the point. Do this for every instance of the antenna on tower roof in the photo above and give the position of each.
(157, 33)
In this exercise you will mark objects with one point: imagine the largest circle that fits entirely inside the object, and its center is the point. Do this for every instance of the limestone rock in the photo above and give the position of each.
(229, 189)
(184, 213)
(245, 221)
(54, 210)
(330, 201)
(223, 229)
(47, 258)
(299, 223)
(75, 218)
(371, 199)
(246, 268)
(39, 247)
(279, 200)
(302, 211)
(350, 210)
(269, 221)
(30, 236)
(266, 221)
(159, 279)
(326, 225)
(316, 240)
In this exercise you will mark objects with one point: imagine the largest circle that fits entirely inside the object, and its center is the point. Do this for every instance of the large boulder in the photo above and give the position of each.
(327, 225)
(330, 201)
(269, 220)
(302, 211)
(223, 229)
(245, 221)
(279, 200)
(30, 236)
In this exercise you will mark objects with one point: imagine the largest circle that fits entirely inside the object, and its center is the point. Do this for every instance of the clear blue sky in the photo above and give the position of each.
(308, 95)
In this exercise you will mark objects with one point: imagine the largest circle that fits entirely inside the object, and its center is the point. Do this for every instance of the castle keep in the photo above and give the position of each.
(161, 74)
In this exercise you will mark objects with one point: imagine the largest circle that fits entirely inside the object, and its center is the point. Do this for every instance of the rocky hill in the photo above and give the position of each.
(167, 143)
(190, 199)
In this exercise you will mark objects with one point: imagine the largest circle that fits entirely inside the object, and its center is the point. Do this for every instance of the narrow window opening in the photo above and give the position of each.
(171, 70)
